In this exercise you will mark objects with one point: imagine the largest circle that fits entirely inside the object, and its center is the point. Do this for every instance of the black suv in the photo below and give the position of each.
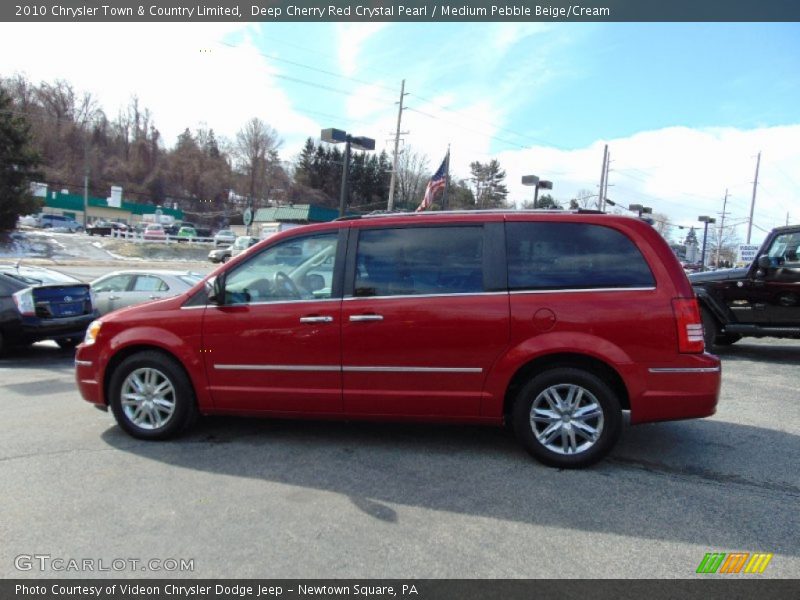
(760, 300)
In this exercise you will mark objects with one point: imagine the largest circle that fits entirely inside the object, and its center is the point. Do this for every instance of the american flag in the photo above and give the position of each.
(437, 182)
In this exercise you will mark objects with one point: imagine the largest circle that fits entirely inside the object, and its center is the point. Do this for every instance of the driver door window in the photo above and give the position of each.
(292, 270)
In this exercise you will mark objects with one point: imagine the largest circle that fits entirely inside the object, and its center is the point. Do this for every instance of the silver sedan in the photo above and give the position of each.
(125, 288)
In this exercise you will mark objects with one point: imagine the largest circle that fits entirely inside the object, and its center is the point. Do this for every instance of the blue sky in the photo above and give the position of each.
(685, 108)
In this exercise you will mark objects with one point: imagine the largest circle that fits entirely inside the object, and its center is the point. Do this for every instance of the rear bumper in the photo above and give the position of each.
(34, 329)
(685, 391)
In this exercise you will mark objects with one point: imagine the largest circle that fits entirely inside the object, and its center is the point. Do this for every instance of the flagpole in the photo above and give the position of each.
(446, 180)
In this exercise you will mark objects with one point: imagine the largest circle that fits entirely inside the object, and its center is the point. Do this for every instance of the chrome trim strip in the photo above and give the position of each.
(411, 370)
(194, 307)
(685, 370)
(278, 367)
(331, 368)
(424, 296)
(582, 291)
(83, 363)
(89, 381)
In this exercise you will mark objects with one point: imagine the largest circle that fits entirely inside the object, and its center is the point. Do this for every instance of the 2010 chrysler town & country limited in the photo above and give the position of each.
(553, 321)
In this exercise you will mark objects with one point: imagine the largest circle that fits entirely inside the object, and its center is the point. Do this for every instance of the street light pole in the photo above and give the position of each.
(706, 220)
(336, 136)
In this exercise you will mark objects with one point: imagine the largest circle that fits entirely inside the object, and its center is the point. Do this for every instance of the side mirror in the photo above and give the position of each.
(764, 262)
(215, 290)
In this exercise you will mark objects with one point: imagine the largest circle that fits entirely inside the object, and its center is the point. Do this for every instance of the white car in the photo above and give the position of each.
(224, 237)
(125, 288)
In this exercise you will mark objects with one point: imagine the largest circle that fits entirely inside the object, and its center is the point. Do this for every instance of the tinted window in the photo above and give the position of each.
(573, 256)
(421, 260)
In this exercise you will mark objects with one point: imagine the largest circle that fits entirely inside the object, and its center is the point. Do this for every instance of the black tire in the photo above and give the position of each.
(68, 343)
(603, 414)
(181, 396)
(711, 328)
(712, 331)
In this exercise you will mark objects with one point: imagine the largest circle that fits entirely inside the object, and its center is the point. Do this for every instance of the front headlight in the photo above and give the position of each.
(91, 332)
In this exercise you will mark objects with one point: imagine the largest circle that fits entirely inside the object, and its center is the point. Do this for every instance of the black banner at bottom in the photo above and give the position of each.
(732, 588)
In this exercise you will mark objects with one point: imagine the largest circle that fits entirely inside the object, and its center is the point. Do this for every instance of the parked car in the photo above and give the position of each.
(242, 243)
(41, 304)
(186, 234)
(47, 221)
(756, 301)
(553, 322)
(154, 232)
(125, 288)
(105, 227)
(224, 237)
(220, 255)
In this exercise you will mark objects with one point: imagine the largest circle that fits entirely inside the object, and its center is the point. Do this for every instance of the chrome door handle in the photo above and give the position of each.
(153, 297)
(360, 318)
(322, 319)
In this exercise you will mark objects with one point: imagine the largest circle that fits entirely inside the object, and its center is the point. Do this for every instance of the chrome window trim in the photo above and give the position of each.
(582, 290)
(264, 302)
(405, 296)
(685, 370)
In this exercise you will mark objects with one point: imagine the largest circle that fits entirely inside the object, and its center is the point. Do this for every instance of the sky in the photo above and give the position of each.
(684, 108)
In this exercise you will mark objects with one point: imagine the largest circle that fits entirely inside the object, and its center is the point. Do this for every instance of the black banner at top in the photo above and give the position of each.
(111, 11)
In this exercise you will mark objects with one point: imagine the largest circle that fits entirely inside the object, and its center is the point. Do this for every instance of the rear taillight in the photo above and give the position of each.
(690, 326)
(24, 301)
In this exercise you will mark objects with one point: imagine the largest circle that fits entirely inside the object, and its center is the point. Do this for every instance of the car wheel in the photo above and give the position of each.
(711, 328)
(151, 396)
(68, 343)
(567, 417)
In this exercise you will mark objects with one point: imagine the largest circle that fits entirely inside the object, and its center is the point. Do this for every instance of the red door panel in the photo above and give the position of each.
(420, 355)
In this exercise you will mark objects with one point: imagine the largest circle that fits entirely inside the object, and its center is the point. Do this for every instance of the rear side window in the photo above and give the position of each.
(419, 261)
(550, 256)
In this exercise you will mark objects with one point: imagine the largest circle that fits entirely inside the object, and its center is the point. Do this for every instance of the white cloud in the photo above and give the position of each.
(183, 73)
(679, 172)
(352, 37)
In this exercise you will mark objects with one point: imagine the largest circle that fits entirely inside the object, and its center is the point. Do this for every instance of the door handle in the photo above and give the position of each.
(320, 319)
(153, 296)
(362, 318)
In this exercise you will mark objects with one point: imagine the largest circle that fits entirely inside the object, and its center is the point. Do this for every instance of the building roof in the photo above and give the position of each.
(297, 213)
(74, 202)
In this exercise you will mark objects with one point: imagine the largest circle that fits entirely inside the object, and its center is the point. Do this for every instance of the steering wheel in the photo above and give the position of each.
(284, 281)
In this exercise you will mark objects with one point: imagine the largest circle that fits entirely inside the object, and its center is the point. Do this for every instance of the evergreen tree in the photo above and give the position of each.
(18, 166)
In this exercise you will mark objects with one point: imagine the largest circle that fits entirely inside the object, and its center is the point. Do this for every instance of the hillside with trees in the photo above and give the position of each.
(69, 139)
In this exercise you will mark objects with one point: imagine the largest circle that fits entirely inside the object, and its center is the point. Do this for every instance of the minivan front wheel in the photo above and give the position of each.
(151, 396)
(567, 417)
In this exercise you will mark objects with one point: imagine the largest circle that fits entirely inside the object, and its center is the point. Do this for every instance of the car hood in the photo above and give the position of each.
(719, 275)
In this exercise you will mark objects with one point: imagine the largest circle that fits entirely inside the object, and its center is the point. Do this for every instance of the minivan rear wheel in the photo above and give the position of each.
(151, 396)
(567, 417)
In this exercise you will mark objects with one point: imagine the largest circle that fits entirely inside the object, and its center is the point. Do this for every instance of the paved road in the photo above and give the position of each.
(247, 498)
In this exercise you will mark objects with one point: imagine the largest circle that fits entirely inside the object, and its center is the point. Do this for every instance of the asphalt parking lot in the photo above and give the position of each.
(245, 498)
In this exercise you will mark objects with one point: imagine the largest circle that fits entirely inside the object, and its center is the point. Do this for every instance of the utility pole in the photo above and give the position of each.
(605, 189)
(721, 228)
(602, 200)
(390, 206)
(753, 202)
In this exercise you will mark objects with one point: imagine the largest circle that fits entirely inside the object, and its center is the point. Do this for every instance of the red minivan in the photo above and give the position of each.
(554, 322)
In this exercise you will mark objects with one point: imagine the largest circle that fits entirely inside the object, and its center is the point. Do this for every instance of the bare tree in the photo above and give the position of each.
(256, 153)
(585, 199)
(662, 225)
(412, 170)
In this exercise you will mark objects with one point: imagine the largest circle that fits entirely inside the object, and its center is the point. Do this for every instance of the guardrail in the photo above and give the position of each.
(138, 238)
